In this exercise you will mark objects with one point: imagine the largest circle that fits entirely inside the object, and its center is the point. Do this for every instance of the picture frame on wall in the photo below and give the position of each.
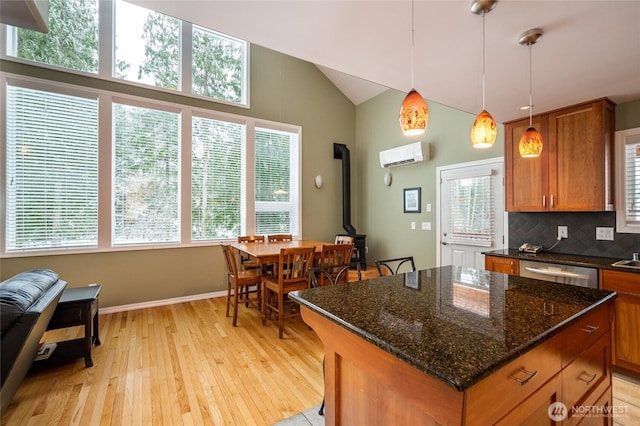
(412, 200)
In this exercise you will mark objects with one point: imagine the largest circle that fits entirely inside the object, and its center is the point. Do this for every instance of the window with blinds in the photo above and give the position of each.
(628, 195)
(52, 170)
(216, 178)
(146, 175)
(277, 157)
(65, 143)
(471, 203)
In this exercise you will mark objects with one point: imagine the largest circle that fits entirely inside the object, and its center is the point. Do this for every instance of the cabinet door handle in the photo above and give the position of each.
(586, 377)
(552, 203)
(524, 381)
(544, 201)
(590, 329)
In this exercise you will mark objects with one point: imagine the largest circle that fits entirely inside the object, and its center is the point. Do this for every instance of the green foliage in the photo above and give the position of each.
(72, 40)
(161, 50)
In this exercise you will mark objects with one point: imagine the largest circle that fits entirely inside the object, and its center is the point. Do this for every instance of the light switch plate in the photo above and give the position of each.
(426, 226)
(604, 233)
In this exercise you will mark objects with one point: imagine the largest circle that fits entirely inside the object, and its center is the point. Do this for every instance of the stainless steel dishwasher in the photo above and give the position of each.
(566, 274)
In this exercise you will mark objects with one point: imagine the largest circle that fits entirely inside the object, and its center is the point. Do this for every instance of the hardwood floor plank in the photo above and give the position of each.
(186, 364)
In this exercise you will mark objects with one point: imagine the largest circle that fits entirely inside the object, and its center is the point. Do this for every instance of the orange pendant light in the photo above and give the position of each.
(484, 130)
(531, 143)
(414, 113)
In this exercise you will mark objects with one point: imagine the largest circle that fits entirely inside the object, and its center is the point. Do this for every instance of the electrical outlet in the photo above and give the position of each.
(366, 249)
(563, 232)
(604, 233)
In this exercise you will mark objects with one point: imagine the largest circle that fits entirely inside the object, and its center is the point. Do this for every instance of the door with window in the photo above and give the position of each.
(471, 217)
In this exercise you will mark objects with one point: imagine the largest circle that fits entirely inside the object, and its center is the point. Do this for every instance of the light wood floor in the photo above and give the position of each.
(179, 364)
(186, 364)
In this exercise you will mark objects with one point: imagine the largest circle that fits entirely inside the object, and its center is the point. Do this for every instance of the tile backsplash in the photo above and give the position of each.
(542, 229)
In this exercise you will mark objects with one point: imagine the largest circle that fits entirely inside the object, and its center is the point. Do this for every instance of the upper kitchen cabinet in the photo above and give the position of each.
(574, 171)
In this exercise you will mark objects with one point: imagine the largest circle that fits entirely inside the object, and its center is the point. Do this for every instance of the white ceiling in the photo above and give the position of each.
(590, 49)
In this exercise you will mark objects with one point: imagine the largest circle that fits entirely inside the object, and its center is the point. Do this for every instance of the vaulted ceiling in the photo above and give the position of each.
(590, 49)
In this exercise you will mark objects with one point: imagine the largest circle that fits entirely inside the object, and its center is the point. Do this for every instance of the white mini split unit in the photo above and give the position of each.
(405, 154)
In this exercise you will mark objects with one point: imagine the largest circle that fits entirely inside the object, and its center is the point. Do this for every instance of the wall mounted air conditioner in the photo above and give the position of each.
(405, 154)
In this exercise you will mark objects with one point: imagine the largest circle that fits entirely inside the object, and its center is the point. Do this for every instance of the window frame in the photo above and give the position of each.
(106, 62)
(105, 161)
(622, 224)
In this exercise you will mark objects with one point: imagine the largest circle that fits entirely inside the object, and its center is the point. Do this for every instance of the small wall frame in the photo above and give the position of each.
(412, 200)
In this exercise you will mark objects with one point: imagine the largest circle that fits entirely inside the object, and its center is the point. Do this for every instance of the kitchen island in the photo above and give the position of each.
(455, 345)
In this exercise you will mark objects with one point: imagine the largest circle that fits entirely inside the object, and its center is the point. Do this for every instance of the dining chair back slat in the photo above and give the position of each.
(290, 274)
(279, 237)
(243, 286)
(334, 254)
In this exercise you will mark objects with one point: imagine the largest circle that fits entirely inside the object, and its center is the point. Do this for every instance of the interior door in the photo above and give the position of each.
(471, 217)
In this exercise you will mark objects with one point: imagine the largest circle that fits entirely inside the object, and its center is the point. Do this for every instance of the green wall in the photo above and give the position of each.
(628, 115)
(283, 89)
(380, 208)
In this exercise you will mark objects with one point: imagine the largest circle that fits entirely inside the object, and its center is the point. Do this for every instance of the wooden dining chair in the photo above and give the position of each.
(279, 237)
(344, 239)
(395, 266)
(247, 262)
(291, 273)
(334, 254)
(243, 285)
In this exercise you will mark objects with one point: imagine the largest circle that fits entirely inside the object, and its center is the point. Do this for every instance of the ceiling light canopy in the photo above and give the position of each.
(414, 113)
(484, 130)
(531, 143)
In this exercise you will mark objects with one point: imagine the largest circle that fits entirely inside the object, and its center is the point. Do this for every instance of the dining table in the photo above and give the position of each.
(265, 253)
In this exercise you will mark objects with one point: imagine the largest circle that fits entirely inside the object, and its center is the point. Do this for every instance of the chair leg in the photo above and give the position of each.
(280, 314)
(228, 297)
(235, 307)
(264, 305)
(321, 412)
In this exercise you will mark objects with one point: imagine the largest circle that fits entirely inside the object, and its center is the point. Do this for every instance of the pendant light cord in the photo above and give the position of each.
(412, 43)
(530, 101)
(484, 12)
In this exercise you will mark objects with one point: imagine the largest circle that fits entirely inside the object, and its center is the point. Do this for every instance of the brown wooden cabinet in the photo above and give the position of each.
(504, 265)
(574, 171)
(626, 323)
(359, 374)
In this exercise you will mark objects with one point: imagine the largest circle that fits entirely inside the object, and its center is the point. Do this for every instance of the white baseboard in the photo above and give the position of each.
(163, 302)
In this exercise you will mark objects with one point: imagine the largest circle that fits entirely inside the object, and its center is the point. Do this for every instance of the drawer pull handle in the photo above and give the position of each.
(529, 374)
(590, 377)
(590, 328)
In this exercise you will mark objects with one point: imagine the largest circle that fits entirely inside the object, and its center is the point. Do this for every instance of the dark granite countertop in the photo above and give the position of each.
(565, 259)
(456, 324)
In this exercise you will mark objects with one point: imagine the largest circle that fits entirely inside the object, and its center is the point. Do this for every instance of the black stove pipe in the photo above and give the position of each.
(341, 152)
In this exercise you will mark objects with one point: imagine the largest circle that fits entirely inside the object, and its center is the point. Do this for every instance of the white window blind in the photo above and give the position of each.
(628, 176)
(277, 192)
(472, 200)
(52, 170)
(146, 174)
(216, 178)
